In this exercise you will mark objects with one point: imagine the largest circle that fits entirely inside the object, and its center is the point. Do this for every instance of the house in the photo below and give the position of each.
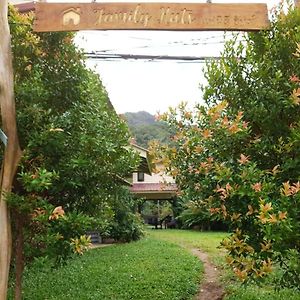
(155, 187)
(148, 185)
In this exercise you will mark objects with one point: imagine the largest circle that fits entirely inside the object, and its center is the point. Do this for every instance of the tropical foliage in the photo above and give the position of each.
(75, 150)
(236, 159)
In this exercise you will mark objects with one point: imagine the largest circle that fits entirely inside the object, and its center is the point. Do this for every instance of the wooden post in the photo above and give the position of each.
(12, 153)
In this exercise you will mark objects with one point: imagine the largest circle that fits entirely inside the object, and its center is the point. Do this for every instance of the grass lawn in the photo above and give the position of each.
(209, 242)
(147, 269)
(253, 292)
(206, 241)
(155, 268)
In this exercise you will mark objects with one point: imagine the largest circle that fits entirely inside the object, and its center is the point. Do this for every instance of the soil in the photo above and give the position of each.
(210, 288)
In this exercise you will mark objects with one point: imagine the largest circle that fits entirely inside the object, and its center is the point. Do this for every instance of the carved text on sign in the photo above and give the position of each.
(168, 16)
(152, 16)
(137, 16)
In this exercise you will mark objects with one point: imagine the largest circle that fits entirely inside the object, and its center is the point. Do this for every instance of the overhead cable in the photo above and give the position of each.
(100, 56)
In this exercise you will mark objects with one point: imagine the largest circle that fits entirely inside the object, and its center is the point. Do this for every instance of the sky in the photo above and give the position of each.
(152, 85)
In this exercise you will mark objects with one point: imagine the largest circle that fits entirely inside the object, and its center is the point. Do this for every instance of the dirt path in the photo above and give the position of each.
(210, 288)
(93, 246)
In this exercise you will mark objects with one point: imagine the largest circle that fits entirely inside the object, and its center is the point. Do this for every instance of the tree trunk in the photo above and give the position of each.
(12, 153)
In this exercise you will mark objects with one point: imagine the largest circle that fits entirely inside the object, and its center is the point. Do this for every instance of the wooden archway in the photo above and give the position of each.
(84, 16)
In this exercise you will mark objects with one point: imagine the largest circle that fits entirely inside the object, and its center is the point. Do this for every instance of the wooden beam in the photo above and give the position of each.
(12, 152)
(150, 16)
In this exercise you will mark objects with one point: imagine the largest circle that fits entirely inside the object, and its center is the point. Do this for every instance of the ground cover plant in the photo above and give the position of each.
(147, 269)
(252, 292)
(210, 243)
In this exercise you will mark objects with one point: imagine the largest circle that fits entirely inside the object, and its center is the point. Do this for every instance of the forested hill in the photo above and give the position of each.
(145, 128)
(139, 118)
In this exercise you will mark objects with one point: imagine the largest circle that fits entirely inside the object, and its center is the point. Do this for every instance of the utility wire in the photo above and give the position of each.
(101, 56)
(191, 42)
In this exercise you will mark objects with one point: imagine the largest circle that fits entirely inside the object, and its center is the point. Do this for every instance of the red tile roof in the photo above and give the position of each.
(151, 187)
(25, 7)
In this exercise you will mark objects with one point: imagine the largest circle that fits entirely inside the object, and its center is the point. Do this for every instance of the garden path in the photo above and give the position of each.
(210, 288)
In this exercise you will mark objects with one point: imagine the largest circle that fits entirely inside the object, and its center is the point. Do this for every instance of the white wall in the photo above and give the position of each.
(154, 178)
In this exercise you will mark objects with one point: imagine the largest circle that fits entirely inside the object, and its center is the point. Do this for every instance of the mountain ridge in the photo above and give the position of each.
(144, 128)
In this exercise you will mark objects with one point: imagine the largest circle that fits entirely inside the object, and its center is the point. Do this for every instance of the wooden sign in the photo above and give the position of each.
(150, 16)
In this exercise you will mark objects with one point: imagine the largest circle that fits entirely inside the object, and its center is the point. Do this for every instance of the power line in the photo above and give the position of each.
(152, 42)
(118, 56)
(172, 44)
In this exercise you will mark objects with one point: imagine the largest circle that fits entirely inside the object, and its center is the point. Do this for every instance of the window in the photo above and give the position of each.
(140, 176)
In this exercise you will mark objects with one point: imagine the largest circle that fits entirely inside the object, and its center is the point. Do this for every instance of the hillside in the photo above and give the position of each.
(139, 118)
(145, 128)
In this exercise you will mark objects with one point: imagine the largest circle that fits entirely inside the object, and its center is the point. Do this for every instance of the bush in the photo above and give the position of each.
(126, 226)
(237, 158)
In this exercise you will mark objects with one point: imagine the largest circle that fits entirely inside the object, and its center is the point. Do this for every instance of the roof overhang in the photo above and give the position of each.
(25, 7)
(155, 195)
(154, 191)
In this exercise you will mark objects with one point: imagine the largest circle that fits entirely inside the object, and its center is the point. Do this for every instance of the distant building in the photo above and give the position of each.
(151, 186)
